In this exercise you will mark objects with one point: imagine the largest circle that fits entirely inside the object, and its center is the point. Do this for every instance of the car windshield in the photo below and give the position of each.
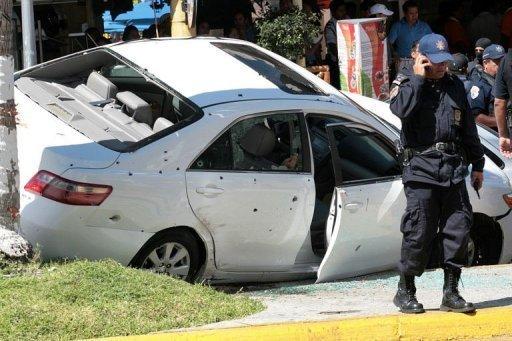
(273, 70)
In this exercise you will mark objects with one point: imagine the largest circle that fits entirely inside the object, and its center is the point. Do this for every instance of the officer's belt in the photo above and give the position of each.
(447, 147)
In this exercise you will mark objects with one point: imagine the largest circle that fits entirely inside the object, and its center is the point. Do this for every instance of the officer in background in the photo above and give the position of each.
(459, 67)
(502, 91)
(475, 67)
(481, 99)
(436, 127)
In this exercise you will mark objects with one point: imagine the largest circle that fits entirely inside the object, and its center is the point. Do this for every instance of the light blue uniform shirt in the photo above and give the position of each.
(403, 36)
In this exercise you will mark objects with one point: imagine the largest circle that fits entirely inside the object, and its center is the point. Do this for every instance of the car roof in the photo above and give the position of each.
(207, 75)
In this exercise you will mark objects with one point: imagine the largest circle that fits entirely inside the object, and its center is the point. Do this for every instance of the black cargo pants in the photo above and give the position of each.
(432, 209)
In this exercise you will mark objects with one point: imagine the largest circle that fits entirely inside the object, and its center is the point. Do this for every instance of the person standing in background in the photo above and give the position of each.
(242, 30)
(380, 11)
(481, 99)
(338, 12)
(502, 92)
(259, 9)
(406, 31)
(475, 67)
(131, 33)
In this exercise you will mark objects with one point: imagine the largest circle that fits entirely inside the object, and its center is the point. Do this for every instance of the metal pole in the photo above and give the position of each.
(40, 39)
(28, 32)
(156, 21)
(15, 49)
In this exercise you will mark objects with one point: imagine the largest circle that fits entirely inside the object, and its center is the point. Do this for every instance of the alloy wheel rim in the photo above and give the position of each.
(170, 258)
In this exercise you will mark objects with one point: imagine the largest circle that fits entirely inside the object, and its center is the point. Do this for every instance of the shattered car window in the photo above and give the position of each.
(263, 143)
(273, 70)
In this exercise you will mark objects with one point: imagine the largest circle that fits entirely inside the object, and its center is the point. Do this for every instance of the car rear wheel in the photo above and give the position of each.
(484, 245)
(174, 253)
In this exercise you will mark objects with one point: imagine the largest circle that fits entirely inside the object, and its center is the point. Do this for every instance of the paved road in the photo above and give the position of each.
(370, 295)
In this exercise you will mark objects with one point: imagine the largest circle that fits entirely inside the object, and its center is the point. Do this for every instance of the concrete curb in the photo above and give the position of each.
(485, 323)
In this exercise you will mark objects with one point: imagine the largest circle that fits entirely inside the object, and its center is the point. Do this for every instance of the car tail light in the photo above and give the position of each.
(69, 192)
(508, 199)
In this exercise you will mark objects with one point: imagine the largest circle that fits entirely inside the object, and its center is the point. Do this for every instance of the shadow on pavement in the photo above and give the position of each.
(502, 302)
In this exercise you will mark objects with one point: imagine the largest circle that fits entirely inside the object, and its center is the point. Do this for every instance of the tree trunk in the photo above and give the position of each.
(11, 243)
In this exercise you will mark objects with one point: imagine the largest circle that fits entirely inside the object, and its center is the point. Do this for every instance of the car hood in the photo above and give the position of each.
(46, 142)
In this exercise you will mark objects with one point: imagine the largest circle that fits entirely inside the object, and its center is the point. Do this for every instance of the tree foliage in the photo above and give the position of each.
(289, 34)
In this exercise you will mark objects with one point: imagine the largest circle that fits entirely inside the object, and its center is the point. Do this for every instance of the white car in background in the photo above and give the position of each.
(216, 159)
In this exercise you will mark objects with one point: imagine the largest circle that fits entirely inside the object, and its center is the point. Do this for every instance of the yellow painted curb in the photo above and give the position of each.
(485, 323)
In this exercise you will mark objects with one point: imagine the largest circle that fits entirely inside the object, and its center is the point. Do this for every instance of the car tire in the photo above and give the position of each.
(484, 246)
(487, 238)
(177, 253)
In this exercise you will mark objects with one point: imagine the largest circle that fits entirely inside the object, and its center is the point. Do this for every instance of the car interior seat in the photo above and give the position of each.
(98, 89)
(136, 107)
(161, 123)
(258, 141)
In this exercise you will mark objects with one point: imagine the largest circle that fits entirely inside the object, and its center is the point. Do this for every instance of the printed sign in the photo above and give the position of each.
(363, 57)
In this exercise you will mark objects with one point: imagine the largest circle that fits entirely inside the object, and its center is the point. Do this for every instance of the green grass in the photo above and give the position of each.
(86, 299)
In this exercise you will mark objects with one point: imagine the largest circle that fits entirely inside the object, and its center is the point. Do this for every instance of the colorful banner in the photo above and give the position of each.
(363, 57)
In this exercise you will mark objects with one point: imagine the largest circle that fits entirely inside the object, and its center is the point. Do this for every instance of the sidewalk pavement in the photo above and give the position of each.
(362, 308)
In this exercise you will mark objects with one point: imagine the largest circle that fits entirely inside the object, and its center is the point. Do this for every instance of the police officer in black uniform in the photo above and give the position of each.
(436, 128)
(481, 99)
(502, 94)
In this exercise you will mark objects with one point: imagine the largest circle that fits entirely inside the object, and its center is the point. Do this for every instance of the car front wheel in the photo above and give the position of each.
(174, 253)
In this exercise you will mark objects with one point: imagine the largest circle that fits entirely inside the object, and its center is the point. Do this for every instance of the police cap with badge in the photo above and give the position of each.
(435, 48)
(493, 51)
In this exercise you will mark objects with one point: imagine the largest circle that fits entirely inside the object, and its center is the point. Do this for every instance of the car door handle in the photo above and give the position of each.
(353, 206)
(209, 190)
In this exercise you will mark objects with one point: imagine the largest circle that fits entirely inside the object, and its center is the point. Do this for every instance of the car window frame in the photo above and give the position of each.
(382, 137)
(306, 154)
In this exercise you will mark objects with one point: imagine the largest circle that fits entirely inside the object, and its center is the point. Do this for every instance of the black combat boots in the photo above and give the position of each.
(452, 301)
(405, 297)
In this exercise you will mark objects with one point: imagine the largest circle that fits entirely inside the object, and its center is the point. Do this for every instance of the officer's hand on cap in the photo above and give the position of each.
(505, 147)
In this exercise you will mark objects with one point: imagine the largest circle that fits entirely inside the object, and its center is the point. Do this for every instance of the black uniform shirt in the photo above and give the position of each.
(481, 99)
(467, 83)
(503, 84)
(474, 70)
(434, 111)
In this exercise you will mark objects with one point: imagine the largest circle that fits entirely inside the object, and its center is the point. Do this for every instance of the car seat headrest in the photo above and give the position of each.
(258, 141)
(101, 86)
(139, 109)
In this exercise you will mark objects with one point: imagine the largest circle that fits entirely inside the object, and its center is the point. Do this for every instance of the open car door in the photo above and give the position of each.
(363, 229)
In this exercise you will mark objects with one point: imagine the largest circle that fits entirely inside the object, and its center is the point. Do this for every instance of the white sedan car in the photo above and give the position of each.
(216, 159)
